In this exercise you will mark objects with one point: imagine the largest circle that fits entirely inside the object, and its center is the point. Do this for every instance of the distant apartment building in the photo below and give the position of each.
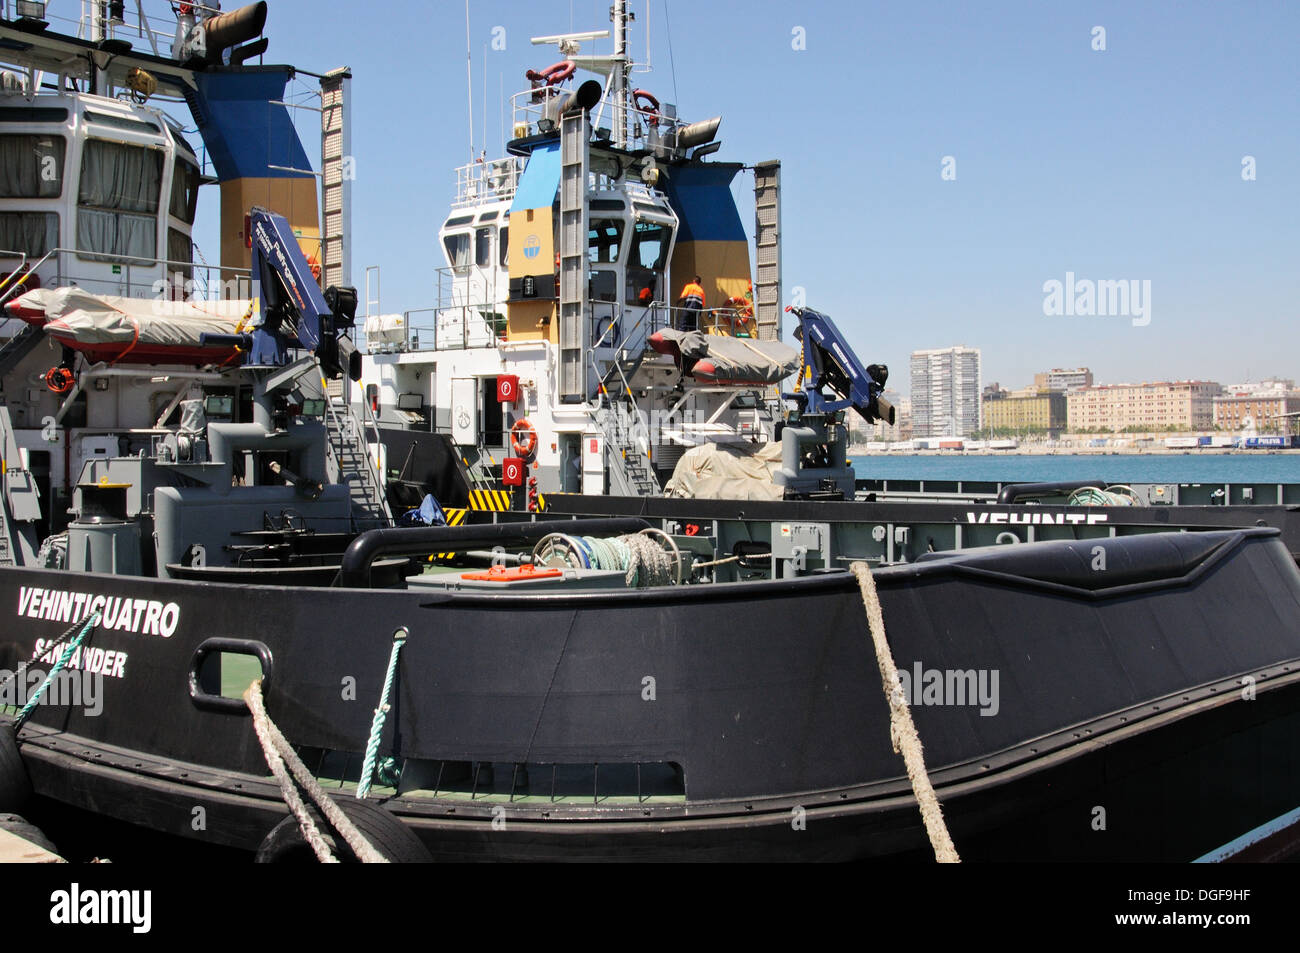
(1021, 413)
(1058, 378)
(1159, 406)
(945, 392)
(1262, 413)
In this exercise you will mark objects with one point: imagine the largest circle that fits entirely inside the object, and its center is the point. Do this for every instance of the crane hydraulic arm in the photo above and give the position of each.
(292, 313)
(830, 364)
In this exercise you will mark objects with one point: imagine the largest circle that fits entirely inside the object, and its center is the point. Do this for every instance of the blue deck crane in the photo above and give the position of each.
(814, 440)
(291, 311)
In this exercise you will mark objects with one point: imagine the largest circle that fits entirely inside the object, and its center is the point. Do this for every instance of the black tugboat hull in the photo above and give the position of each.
(1152, 716)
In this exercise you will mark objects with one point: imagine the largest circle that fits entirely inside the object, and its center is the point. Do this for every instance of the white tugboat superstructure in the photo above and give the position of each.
(564, 260)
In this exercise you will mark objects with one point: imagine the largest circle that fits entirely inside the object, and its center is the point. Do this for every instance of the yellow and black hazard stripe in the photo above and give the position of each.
(455, 517)
(498, 500)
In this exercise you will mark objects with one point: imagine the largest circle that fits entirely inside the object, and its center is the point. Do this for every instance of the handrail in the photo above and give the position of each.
(127, 263)
(1015, 491)
(371, 480)
(375, 479)
(21, 281)
(666, 316)
(354, 571)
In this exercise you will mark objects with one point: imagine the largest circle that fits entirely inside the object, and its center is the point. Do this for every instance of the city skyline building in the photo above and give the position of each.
(945, 392)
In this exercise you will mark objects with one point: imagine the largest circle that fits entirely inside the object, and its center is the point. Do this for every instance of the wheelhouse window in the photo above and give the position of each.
(505, 247)
(185, 191)
(457, 245)
(29, 233)
(31, 166)
(646, 264)
(483, 247)
(604, 239)
(650, 243)
(117, 200)
(180, 252)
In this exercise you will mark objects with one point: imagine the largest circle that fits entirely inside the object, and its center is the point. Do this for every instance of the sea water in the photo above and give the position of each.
(1189, 467)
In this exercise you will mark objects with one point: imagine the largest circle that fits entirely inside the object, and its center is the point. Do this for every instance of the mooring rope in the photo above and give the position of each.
(902, 730)
(279, 754)
(89, 623)
(642, 560)
(381, 714)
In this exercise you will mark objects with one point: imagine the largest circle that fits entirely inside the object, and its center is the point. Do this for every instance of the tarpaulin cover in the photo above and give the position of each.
(734, 359)
(727, 471)
(75, 315)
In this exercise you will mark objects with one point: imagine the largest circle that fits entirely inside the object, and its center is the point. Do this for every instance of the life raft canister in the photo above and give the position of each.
(523, 438)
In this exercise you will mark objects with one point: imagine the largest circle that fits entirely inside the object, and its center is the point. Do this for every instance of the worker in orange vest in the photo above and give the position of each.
(692, 301)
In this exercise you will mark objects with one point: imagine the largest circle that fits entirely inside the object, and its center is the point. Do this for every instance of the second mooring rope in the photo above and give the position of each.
(902, 730)
(279, 756)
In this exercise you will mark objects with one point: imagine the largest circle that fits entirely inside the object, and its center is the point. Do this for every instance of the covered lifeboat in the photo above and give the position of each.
(719, 359)
(131, 330)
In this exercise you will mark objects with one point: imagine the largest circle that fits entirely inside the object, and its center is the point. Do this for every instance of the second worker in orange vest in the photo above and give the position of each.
(692, 301)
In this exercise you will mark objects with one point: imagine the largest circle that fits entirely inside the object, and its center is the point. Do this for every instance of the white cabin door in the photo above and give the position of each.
(464, 411)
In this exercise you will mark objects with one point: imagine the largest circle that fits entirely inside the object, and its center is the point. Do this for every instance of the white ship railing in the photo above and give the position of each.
(128, 282)
(483, 324)
(729, 321)
(138, 22)
(536, 111)
(493, 180)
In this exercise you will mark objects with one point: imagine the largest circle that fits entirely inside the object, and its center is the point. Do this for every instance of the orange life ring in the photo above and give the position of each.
(522, 428)
(651, 113)
(59, 380)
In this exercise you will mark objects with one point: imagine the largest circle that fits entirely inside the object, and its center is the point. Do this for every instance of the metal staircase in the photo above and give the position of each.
(18, 347)
(629, 468)
(478, 466)
(349, 462)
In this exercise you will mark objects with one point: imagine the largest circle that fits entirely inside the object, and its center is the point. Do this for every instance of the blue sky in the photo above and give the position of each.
(1124, 163)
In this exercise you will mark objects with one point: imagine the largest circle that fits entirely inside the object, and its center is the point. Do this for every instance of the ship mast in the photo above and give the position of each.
(618, 75)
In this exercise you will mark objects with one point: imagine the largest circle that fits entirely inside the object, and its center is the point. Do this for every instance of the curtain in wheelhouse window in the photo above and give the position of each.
(118, 197)
(185, 191)
(180, 249)
(30, 233)
(31, 166)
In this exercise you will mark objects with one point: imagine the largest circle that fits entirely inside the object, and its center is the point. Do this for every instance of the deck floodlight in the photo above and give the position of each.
(31, 10)
(218, 405)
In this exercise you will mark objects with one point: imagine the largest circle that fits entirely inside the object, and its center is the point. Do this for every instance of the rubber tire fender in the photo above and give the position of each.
(396, 842)
(15, 785)
(27, 831)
